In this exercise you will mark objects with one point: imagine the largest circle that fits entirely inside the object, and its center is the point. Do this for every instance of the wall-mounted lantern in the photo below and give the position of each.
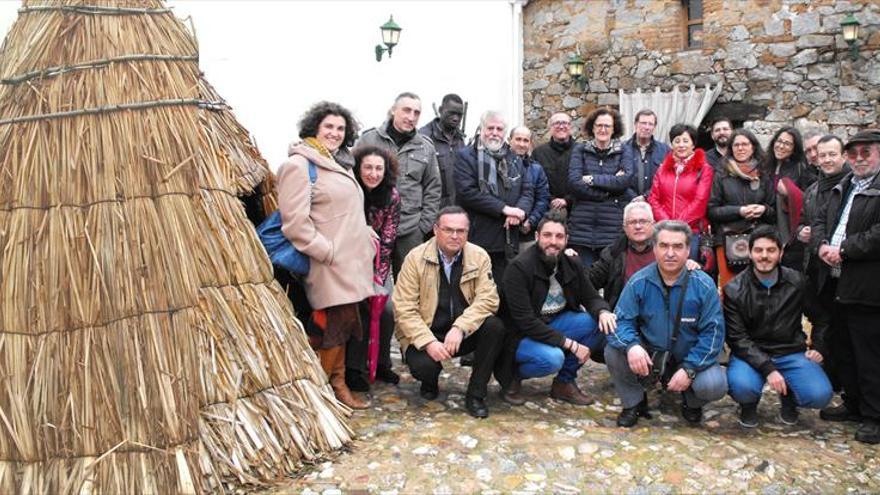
(390, 37)
(575, 68)
(850, 27)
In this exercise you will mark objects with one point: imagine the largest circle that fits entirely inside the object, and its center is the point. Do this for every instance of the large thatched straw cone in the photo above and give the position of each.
(144, 346)
(267, 405)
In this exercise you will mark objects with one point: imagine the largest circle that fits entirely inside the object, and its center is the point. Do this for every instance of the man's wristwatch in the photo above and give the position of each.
(690, 373)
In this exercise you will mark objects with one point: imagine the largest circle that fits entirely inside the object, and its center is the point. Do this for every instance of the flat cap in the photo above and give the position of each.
(864, 137)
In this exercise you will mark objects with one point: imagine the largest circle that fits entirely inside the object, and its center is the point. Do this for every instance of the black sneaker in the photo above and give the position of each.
(869, 431)
(630, 416)
(693, 415)
(748, 415)
(429, 391)
(387, 375)
(788, 412)
(840, 413)
(356, 381)
(476, 407)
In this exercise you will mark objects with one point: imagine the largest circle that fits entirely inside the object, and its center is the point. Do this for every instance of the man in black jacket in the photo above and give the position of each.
(832, 168)
(492, 185)
(445, 132)
(763, 309)
(554, 156)
(632, 252)
(544, 291)
(721, 129)
(847, 237)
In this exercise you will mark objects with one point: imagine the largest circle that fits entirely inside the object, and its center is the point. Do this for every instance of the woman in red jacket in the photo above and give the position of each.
(683, 183)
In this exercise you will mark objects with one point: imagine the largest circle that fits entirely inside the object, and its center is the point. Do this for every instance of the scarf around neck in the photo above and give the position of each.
(561, 147)
(399, 138)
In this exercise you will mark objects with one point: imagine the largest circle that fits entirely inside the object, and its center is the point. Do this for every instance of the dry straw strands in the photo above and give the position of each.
(144, 345)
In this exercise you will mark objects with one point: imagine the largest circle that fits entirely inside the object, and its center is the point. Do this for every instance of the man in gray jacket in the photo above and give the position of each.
(418, 177)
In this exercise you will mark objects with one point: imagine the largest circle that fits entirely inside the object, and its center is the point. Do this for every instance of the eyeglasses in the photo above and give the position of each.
(863, 152)
(603, 126)
(561, 123)
(451, 232)
(639, 222)
(783, 144)
(747, 144)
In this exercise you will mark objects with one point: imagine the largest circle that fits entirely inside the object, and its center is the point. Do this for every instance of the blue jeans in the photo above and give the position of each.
(805, 381)
(536, 359)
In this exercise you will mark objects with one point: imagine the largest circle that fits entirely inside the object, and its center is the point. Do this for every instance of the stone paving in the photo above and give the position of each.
(409, 445)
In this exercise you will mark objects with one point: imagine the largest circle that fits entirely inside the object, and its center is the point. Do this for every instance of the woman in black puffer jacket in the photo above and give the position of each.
(598, 181)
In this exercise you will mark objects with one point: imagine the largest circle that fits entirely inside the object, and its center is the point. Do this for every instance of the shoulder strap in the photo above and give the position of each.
(677, 324)
(313, 172)
(313, 177)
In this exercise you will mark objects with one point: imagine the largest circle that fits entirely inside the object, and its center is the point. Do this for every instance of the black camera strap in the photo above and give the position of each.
(677, 324)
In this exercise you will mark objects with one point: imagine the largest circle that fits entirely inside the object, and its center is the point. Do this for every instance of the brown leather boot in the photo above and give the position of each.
(513, 394)
(569, 392)
(337, 380)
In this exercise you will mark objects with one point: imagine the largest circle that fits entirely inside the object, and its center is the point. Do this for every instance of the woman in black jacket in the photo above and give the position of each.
(787, 165)
(742, 198)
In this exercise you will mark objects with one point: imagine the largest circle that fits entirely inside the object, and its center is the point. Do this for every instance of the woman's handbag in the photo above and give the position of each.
(280, 250)
(736, 249)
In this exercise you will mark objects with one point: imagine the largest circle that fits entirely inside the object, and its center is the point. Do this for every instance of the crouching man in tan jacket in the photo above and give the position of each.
(444, 306)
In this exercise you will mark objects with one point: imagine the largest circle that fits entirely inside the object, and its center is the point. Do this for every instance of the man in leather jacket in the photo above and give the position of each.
(763, 309)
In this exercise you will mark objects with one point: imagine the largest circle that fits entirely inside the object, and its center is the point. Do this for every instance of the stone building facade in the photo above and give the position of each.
(780, 61)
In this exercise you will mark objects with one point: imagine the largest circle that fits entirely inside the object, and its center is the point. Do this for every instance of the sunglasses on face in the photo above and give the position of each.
(863, 152)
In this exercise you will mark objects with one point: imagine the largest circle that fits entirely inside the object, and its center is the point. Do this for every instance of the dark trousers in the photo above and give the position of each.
(356, 350)
(499, 263)
(486, 343)
(822, 308)
(402, 246)
(588, 255)
(859, 356)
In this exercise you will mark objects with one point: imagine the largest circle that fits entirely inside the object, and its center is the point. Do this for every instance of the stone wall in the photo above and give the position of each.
(780, 61)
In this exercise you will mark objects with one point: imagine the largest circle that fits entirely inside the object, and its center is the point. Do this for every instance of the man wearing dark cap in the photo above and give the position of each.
(846, 236)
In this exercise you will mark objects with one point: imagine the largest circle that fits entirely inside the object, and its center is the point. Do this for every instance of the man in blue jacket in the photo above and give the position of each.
(643, 154)
(651, 301)
(492, 185)
(521, 144)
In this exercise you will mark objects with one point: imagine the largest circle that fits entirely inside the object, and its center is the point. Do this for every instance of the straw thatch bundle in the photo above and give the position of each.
(144, 345)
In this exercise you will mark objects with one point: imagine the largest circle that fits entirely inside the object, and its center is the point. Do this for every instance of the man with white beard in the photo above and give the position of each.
(492, 186)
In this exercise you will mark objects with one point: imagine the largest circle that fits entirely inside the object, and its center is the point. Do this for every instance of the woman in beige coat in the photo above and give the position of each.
(325, 221)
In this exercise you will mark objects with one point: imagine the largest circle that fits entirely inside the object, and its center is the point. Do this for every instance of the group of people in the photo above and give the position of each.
(534, 260)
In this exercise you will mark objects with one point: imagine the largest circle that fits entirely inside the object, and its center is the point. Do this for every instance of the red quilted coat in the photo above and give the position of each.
(683, 196)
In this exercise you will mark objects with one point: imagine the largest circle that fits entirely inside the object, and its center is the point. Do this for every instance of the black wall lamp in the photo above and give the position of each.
(390, 37)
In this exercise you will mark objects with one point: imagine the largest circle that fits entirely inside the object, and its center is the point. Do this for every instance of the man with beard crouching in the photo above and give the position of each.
(544, 291)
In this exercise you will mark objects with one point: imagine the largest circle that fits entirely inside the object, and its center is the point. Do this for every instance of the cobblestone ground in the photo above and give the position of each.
(409, 445)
